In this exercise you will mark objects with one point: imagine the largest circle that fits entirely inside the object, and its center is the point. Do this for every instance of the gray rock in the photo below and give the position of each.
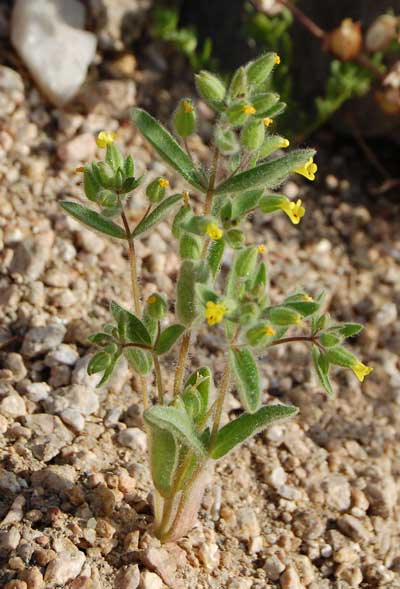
(10, 483)
(40, 340)
(31, 256)
(16, 511)
(63, 354)
(49, 435)
(56, 478)
(48, 37)
(78, 149)
(9, 540)
(11, 90)
(80, 398)
(353, 527)
(15, 363)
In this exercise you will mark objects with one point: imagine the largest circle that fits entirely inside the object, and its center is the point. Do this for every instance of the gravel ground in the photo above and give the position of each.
(312, 503)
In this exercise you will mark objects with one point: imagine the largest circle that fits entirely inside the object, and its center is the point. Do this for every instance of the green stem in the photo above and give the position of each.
(135, 294)
(160, 388)
(180, 368)
(299, 338)
(223, 389)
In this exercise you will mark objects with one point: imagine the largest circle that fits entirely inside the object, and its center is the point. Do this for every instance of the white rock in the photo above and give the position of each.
(65, 567)
(134, 438)
(63, 354)
(78, 397)
(386, 315)
(273, 567)
(290, 579)
(13, 406)
(150, 581)
(48, 37)
(73, 418)
(37, 391)
(39, 340)
(277, 477)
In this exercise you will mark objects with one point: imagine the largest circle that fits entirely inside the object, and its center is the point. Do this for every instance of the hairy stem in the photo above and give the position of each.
(180, 368)
(135, 293)
(223, 389)
(298, 338)
(159, 380)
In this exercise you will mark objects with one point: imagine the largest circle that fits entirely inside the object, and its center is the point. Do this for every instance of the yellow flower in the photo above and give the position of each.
(285, 142)
(214, 232)
(361, 370)
(185, 197)
(308, 169)
(151, 300)
(261, 248)
(295, 211)
(79, 170)
(277, 59)
(248, 109)
(187, 106)
(214, 312)
(104, 139)
(267, 121)
(269, 331)
(163, 183)
(307, 298)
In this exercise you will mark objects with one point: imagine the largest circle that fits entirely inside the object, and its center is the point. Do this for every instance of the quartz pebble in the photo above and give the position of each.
(40, 340)
(128, 577)
(150, 580)
(50, 32)
(134, 438)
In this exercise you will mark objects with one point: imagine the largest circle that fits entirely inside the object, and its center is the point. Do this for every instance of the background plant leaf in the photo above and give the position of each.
(92, 219)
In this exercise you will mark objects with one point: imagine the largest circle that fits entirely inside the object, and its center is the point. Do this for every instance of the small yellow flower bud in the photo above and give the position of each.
(163, 183)
(151, 300)
(79, 170)
(187, 106)
(261, 248)
(248, 109)
(308, 170)
(185, 197)
(269, 331)
(214, 232)
(307, 298)
(104, 139)
(214, 312)
(277, 59)
(267, 121)
(285, 143)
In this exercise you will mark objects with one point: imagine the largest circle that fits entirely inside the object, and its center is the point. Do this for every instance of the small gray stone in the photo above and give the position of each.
(63, 354)
(353, 527)
(31, 255)
(150, 581)
(248, 526)
(40, 340)
(9, 540)
(337, 492)
(37, 391)
(81, 398)
(65, 567)
(15, 363)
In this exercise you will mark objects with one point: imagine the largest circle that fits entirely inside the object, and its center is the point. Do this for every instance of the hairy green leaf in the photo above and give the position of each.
(110, 369)
(266, 175)
(98, 362)
(178, 423)
(247, 377)
(140, 361)
(92, 219)
(247, 425)
(321, 365)
(157, 215)
(129, 326)
(163, 459)
(166, 146)
(168, 338)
